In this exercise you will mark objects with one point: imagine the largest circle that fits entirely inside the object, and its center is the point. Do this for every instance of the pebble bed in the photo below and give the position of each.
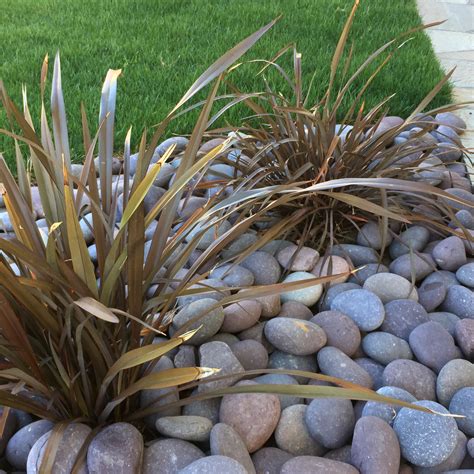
(413, 341)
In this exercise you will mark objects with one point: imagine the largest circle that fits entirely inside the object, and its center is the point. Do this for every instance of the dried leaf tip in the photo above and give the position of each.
(207, 372)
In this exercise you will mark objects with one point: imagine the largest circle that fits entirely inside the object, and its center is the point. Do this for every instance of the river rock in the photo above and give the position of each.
(188, 428)
(241, 315)
(416, 265)
(264, 267)
(206, 233)
(332, 265)
(462, 403)
(363, 307)
(402, 316)
(450, 253)
(254, 416)
(331, 293)
(456, 374)
(414, 238)
(281, 379)
(375, 447)
(363, 273)
(341, 331)
(389, 287)
(330, 421)
(251, 354)
(460, 301)
(292, 434)
(168, 456)
(225, 441)
(357, 254)
(413, 377)
(285, 361)
(118, 448)
(214, 464)
(307, 296)
(296, 310)
(295, 336)
(465, 274)
(385, 347)
(374, 369)
(464, 334)
(425, 440)
(314, 464)
(270, 460)
(431, 295)
(233, 275)
(297, 259)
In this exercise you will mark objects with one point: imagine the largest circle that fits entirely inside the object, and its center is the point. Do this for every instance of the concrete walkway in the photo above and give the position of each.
(453, 43)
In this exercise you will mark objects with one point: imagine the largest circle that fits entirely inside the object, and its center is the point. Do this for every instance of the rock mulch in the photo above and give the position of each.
(403, 325)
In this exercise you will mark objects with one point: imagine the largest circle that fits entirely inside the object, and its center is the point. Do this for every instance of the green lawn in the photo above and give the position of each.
(163, 45)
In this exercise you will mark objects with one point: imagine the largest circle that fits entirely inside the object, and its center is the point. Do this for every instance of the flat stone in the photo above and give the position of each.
(168, 456)
(295, 336)
(69, 446)
(117, 448)
(413, 377)
(225, 441)
(385, 347)
(297, 259)
(264, 267)
(425, 440)
(330, 421)
(292, 434)
(341, 331)
(335, 363)
(308, 296)
(254, 416)
(188, 428)
(363, 307)
(402, 316)
(389, 287)
(464, 334)
(387, 411)
(456, 374)
(462, 403)
(270, 460)
(439, 351)
(214, 464)
(375, 447)
(218, 355)
(201, 314)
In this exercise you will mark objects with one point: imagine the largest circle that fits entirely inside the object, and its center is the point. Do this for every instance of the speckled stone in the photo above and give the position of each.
(413, 377)
(185, 357)
(281, 379)
(219, 355)
(375, 447)
(425, 440)
(271, 305)
(296, 310)
(254, 416)
(168, 456)
(441, 348)
(341, 331)
(371, 235)
(415, 238)
(308, 296)
(335, 363)
(385, 347)
(465, 274)
(431, 295)
(214, 464)
(389, 287)
(315, 464)
(326, 300)
(470, 447)
(264, 267)
(358, 254)
(448, 278)
(188, 428)
(362, 306)
(340, 454)
(233, 275)
(241, 315)
(366, 271)
(251, 354)
(460, 301)
(450, 253)
(402, 316)
(418, 265)
(207, 408)
(332, 265)
(447, 320)
(456, 374)
(330, 421)
(374, 369)
(270, 460)
(117, 448)
(239, 245)
(282, 360)
(464, 335)
(292, 434)
(462, 403)
(225, 441)
(209, 319)
(23, 440)
(295, 336)
(297, 259)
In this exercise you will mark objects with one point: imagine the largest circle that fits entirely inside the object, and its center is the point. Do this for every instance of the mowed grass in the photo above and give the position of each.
(162, 46)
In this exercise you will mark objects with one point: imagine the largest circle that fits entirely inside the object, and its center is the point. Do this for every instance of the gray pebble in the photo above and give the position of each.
(448, 278)
(270, 460)
(389, 287)
(315, 464)
(295, 309)
(450, 253)
(281, 379)
(233, 275)
(462, 403)
(431, 295)
(308, 296)
(414, 238)
(216, 464)
(241, 315)
(460, 301)
(374, 369)
(464, 334)
(251, 354)
(385, 347)
(282, 360)
(207, 408)
(456, 374)
(447, 320)
(327, 299)
(465, 274)
(264, 267)
(417, 266)
(402, 316)
(358, 254)
(370, 235)
(366, 271)
(188, 428)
